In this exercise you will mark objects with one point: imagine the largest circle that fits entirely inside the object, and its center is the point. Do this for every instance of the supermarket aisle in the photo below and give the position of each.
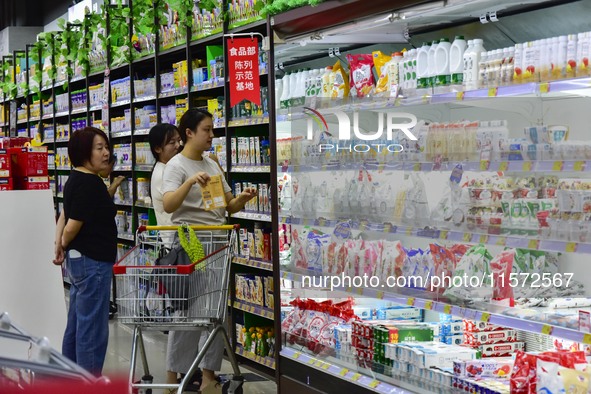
(119, 351)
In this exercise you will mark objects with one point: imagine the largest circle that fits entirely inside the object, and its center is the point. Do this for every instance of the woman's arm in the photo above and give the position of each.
(71, 230)
(59, 230)
(115, 184)
(173, 200)
(237, 203)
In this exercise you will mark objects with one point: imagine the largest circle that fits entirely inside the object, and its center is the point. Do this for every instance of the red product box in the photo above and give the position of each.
(478, 326)
(501, 349)
(32, 183)
(6, 184)
(29, 161)
(4, 164)
(484, 368)
(488, 337)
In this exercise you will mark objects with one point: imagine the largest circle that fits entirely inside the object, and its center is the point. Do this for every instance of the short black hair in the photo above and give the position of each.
(159, 136)
(80, 145)
(190, 120)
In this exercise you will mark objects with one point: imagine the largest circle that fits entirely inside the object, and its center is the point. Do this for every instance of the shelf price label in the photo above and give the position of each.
(387, 227)
(547, 329)
(443, 234)
(571, 247)
(428, 305)
(410, 301)
(503, 166)
(380, 295)
(416, 167)
(447, 309)
(356, 377)
(459, 96)
(483, 239)
(325, 366)
(578, 165)
(544, 87)
(425, 99)
(484, 164)
(533, 244)
(587, 339)
(374, 383)
(527, 165)
(467, 237)
(557, 166)
(313, 361)
(297, 355)
(492, 92)
(344, 371)
(485, 317)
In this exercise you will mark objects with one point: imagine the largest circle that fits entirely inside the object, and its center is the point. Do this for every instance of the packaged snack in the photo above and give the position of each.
(340, 88)
(380, 60)
(393, 259)
(475, 263)
(501, 349)
(484, 368)
(489, 337)
(575, 382)
(501, 267)
(361, 76)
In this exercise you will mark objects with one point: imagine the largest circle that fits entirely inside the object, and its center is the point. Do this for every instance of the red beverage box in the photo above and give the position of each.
(32, 183)
(488, 337)
(4, 164)
(29, 161)
(6, 184)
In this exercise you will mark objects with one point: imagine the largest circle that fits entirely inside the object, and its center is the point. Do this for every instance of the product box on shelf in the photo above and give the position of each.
(268, 290)
(29, 161)
(249, 288)
(484, 368)
(501, 349)
(31, 183)
(5, 164)
(6, 184)
(488, 337)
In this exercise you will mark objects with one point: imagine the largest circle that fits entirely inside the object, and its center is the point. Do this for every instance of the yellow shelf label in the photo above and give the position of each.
(425, 99)
(447, 309)
(501, 241)
(533, 244)
(297, 355)
(557, 166)
(374, 383)
(387, 228)
(485, 317)
(503, 166)
(492, 92)
(544, 87)
(443, 234)
(356, 377)
(428, 305)
(527, 165)
(285, 275)
(408, 231)
(359, 290)
(416, 167)
(483, 239)
(571, 247)
(579, 166)
(380, 295)
(587, 339)
(460, 96)
(547, 329)
(484, 164)
(343, 372)
(410, 301)
(311, 361)
(325, 366)
(397, 102)
(467, 237)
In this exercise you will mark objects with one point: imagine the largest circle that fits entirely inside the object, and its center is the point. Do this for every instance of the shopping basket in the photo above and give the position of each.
(30, 365)
(175, 298)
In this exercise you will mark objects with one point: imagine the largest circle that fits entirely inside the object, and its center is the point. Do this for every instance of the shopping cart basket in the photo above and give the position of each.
(29, 364)
(175, 298)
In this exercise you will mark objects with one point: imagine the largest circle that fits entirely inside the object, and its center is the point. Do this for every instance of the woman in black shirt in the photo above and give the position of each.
(89, 237)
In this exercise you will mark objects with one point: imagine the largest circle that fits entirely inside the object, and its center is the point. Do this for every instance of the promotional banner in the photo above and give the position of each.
(243, 66)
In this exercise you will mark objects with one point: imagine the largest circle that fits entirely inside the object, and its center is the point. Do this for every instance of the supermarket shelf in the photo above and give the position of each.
(202, 38)
(124, 204)
(127, 237)
(171, 49)
(537, 89)
(63, 113)
(141, 131)
(35, 119)
(47, 116)
(117, 134)
(254, 309)
(250, 262)
(60, 195)
(49, 141)
(63, 168)
(78, 111)
(478, 311)
(120, 103)
(246, 26)
(77, 78)
(143, 99)
(249, 121)
(219, 123)
(142, 204)
(485, 165)
(63, 140)
(59, 83)
(21, 121)
(263, 217)
(344, 373)
(144, 167)
(512, 241)
(251, 168)
(122, 168)
(96, 108)
(173, 93)
(266, 361)
(218, 83)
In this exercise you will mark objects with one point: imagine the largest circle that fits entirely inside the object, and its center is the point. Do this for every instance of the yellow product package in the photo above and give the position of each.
(340, 87)
(380, 60)
(213, 193)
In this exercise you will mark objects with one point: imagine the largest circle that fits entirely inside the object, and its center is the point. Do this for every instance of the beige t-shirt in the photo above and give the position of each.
(162, 218)
(192, 210)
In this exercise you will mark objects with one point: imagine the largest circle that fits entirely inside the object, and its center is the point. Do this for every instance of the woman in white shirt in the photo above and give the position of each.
(165, 142)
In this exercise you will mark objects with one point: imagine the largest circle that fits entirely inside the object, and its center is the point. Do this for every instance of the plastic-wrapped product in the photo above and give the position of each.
(474, 264)
(574, 382)
(361, 76)
(340, 88)
(393, 260)
(501, 266)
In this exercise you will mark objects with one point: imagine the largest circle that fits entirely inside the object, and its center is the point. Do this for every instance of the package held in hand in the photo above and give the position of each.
(213, 193)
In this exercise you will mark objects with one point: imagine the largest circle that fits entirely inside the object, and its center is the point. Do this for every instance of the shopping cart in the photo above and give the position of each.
(30, 365)
(175, 298)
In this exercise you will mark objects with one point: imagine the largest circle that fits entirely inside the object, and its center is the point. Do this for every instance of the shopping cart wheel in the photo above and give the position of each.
(233, 386)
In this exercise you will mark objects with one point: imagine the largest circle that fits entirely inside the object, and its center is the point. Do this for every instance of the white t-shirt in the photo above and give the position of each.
(162, 218)
(192, 209)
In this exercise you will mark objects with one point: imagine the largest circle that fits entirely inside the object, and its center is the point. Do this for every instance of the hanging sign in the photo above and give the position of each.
(243, 67)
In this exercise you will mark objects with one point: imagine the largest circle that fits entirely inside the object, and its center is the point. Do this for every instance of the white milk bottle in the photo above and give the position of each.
(466, 66)
(431, 63)
(474, 60)
(560, 65)
(423, 66)
(571, 56)
(392, 69)
(482, 70)
(285, 91)
(518, 64)
(442, 70)
(456, 60)
(278, 92)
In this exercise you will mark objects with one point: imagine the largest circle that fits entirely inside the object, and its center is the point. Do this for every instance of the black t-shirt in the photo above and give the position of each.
(87, 199)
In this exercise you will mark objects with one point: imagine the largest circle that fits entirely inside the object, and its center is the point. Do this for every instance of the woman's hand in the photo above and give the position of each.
(247, 194)
(59, 254)
(201, 178)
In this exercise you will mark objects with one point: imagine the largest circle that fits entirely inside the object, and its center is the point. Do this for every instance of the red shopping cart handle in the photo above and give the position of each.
(141, 229)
